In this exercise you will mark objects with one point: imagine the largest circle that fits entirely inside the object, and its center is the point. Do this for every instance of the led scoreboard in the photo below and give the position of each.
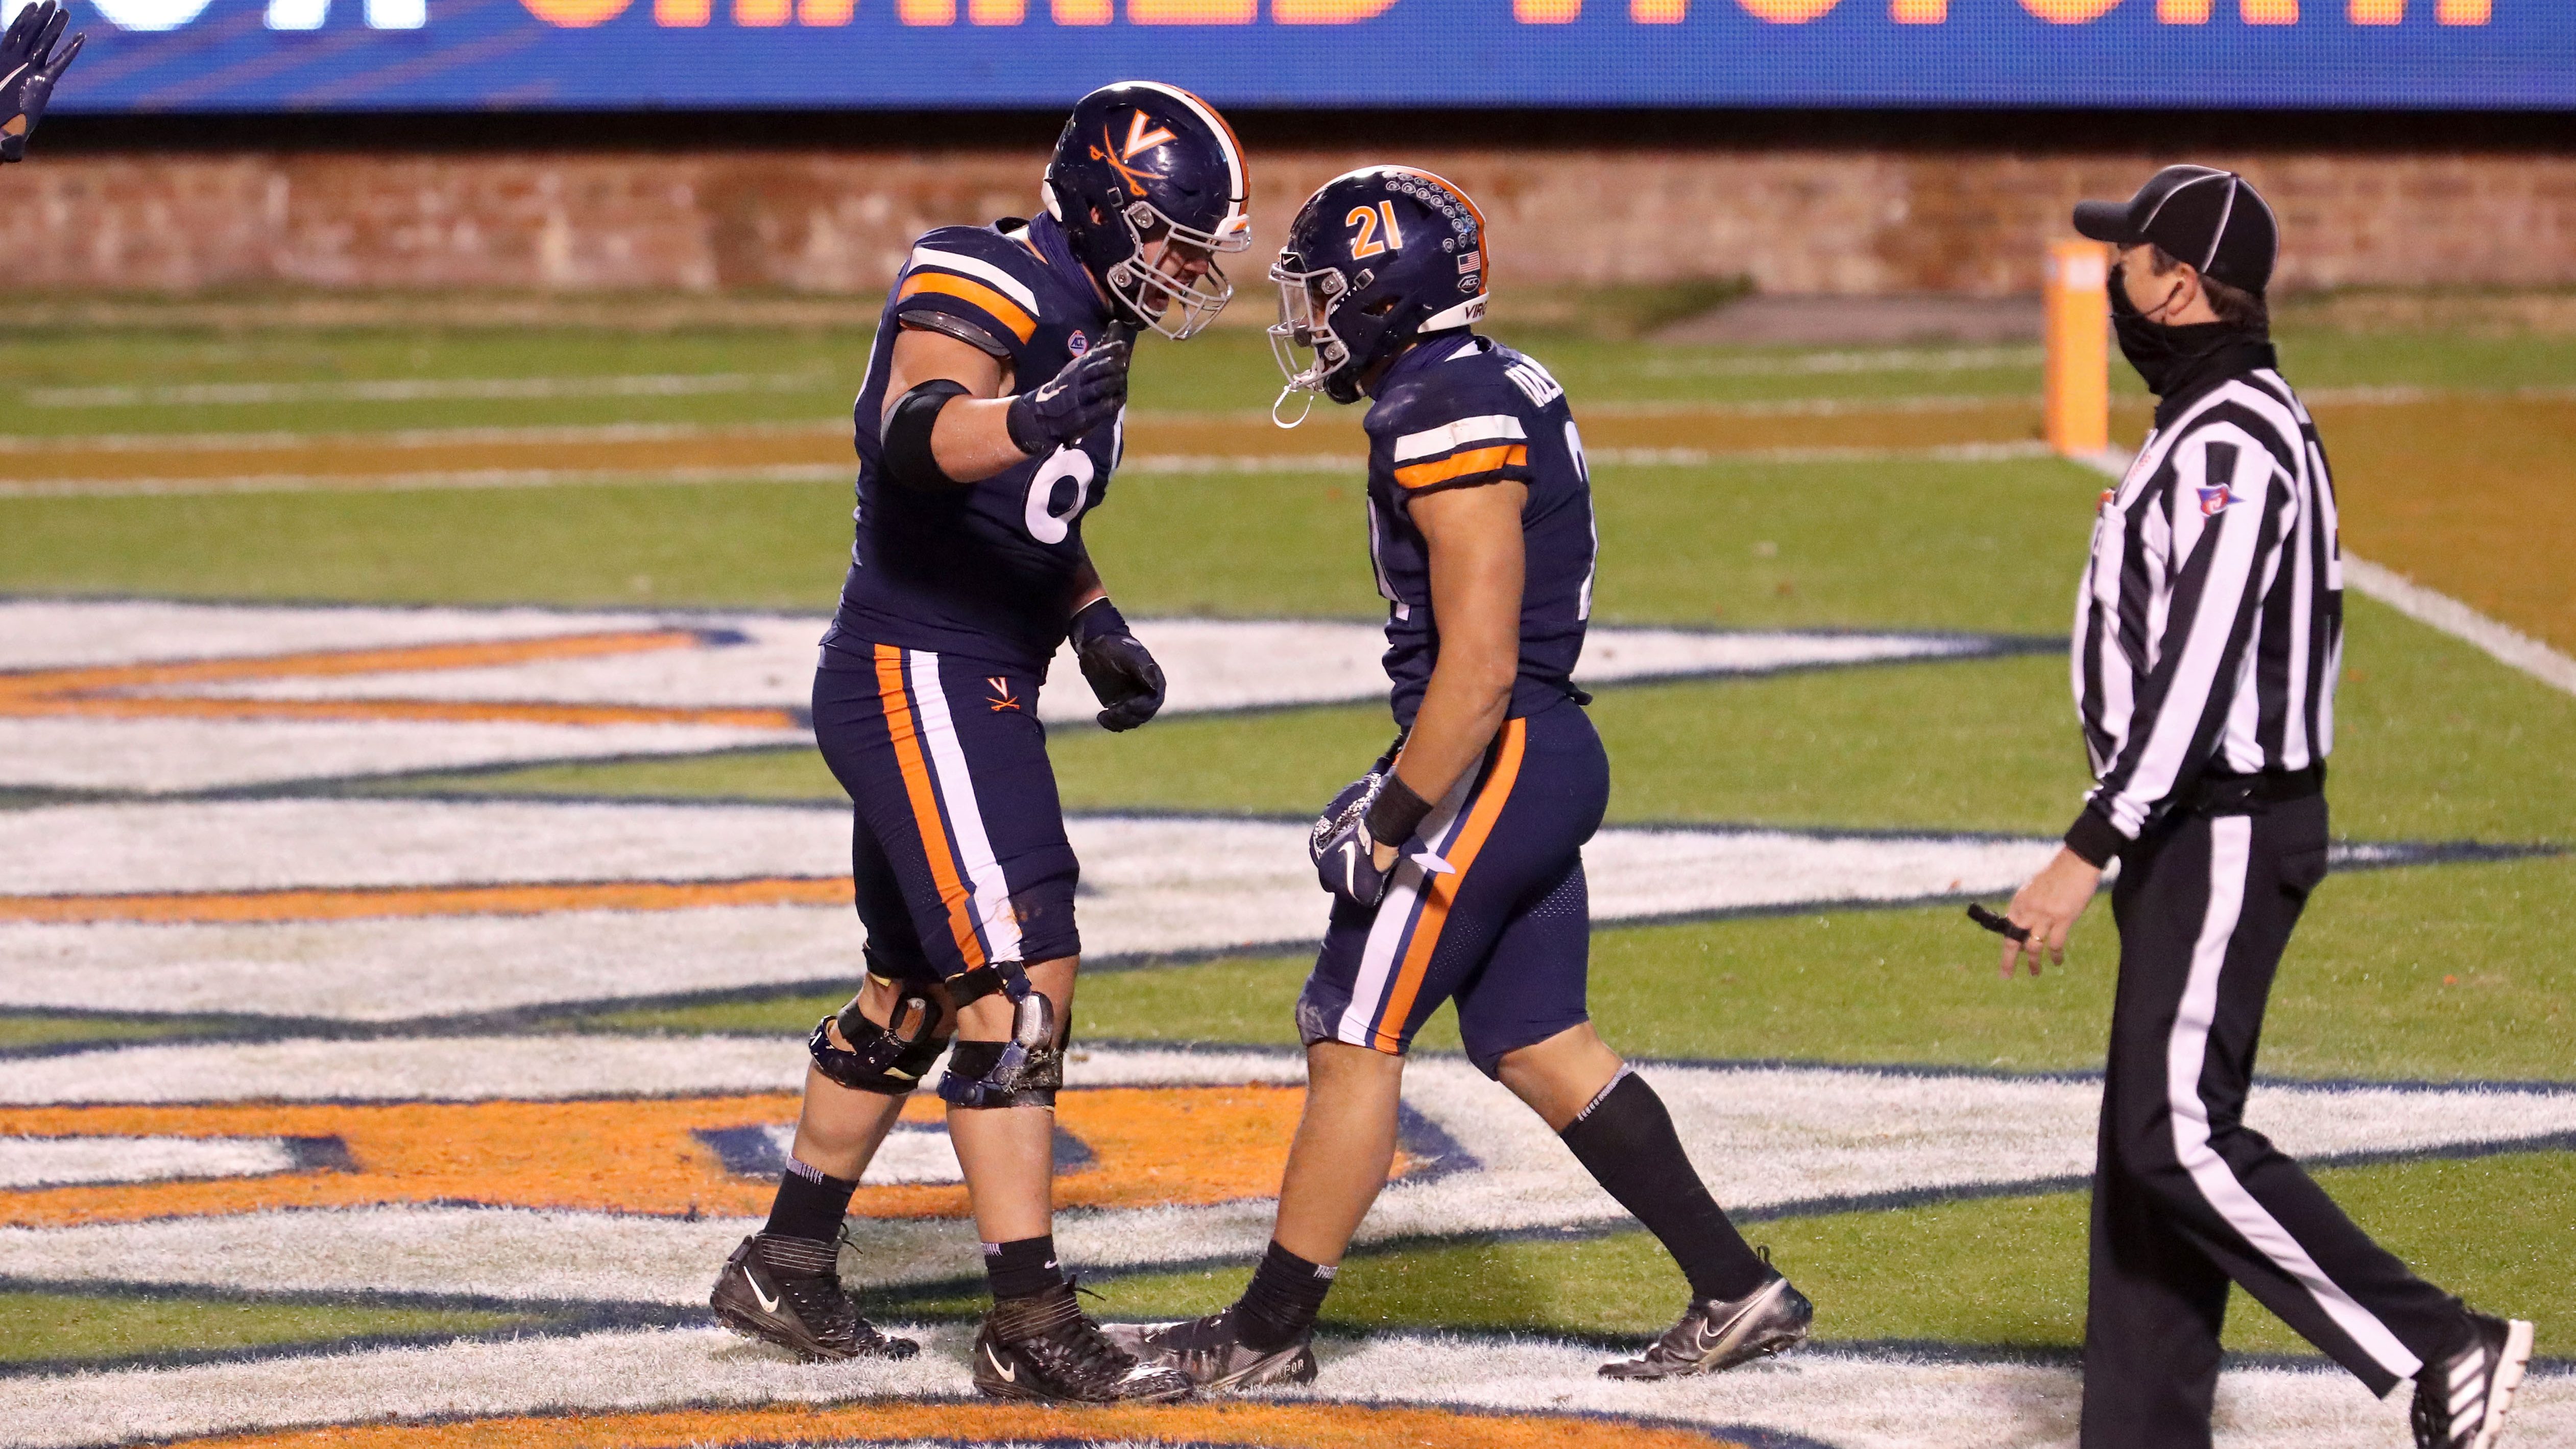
(916, 55)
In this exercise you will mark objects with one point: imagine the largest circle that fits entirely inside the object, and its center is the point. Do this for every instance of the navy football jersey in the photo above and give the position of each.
(1456, 412)
(986, 571)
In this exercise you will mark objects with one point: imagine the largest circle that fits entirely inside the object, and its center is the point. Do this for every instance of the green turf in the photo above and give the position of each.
(2001, 1273)
(21, 1031)
(39, 1326)
(826, 366)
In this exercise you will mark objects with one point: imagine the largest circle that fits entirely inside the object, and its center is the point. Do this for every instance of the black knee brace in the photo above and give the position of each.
(879, 1059)
(979, 1076)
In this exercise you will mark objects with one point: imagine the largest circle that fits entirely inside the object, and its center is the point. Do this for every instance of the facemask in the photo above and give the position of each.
(2162, 354)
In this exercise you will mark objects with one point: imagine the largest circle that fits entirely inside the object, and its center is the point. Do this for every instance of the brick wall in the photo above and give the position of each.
(1848, 220)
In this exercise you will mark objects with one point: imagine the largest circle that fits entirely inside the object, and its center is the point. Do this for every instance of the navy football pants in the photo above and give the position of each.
(958, 848)
(1508, 936)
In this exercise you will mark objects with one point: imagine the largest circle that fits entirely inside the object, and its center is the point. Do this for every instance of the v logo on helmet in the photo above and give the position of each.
(1140, 139)
(1134, 176)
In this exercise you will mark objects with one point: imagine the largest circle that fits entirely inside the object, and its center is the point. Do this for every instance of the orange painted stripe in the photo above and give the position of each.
(362, 903)
(1005, 311)
(141, 691)
(1442, 890)
(925, 805)
(1460, 465)
(1235, 1422)
(379, 711)
(324, 663)
(1150, 1147)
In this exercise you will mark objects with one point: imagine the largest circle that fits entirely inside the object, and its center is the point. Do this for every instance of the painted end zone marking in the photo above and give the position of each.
(1311, 1425)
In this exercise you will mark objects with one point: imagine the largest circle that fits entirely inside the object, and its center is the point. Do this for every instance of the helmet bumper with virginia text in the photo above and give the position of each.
(1149, 185)
(1377, 257)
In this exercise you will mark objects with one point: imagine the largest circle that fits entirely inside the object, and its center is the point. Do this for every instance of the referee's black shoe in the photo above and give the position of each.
(1719, 1333)
(2460, 1401)
(787, 1291)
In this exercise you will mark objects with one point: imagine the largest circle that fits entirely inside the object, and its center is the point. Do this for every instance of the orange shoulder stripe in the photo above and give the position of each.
(1005, 311)
(1460, 465)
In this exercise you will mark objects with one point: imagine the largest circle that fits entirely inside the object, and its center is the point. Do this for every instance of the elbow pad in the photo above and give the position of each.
(905, 441)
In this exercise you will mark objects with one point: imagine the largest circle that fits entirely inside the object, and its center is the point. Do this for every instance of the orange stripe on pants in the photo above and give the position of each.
(1443, 889)
(925, 805)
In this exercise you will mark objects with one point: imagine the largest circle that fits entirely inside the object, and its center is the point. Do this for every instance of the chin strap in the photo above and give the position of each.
(1282, 401)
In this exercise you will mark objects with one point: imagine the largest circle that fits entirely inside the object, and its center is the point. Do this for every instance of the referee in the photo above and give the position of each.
(2208, 630)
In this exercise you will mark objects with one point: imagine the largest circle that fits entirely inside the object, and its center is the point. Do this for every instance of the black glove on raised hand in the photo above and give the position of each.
(1089, 392)
(1123, 676)
(29, 66)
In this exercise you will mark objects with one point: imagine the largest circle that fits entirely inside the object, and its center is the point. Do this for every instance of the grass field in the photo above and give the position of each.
(2451, 972)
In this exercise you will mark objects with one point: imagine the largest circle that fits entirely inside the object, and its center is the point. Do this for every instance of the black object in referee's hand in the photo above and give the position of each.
(1998, 924)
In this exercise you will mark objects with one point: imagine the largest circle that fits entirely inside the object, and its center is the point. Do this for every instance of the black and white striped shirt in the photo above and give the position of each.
(2209, 627)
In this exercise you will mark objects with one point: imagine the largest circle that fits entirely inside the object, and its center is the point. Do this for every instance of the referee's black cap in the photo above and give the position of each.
(2213, 219)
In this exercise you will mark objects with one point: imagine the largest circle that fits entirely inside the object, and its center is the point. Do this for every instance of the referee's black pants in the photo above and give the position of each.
(2186, 1198)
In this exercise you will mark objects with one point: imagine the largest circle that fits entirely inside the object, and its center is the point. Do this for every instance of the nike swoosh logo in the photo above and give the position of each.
(1009, 1374)
(767, 1303)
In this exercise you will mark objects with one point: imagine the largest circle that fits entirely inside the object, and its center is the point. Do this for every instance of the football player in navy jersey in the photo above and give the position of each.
(1455, 863)
(988, 426)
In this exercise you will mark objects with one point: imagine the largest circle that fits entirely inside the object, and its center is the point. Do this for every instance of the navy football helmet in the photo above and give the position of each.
(1378, 257)
(1142, 164)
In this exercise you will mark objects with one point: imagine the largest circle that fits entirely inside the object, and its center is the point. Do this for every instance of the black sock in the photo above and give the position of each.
(1286, 1294)
(1024, 1268)
(1625, 1139)
(809, 1205)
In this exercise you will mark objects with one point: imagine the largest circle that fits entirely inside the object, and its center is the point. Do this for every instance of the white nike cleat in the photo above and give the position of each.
(1719, 1333)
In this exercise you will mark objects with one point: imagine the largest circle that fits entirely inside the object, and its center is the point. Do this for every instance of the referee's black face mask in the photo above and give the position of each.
(2163, 355)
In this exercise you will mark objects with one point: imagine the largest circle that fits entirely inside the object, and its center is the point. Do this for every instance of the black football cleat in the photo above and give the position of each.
(1214, 1357)
(786, 1291)
(1719, 1333)
(1044, 1348)
(2460, 1401)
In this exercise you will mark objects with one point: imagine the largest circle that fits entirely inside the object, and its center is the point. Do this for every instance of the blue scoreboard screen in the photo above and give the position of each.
(923, 55)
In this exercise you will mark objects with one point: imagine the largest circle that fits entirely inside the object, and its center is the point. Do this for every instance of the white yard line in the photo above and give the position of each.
(2500, 641)
(2496, 639)
(1844, 1401)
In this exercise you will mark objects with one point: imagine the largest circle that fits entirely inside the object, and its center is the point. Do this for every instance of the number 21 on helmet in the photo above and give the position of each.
(1375, 259)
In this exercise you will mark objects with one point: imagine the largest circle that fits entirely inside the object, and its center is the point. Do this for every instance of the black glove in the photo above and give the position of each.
(1344, 848)
(1123, 676)
(1089, 392)
(29, 66)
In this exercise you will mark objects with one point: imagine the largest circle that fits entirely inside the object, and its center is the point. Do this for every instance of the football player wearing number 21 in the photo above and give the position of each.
(1454, 865)
(988, 426)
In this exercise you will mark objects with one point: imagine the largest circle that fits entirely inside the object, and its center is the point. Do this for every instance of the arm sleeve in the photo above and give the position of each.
(2227, 541)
